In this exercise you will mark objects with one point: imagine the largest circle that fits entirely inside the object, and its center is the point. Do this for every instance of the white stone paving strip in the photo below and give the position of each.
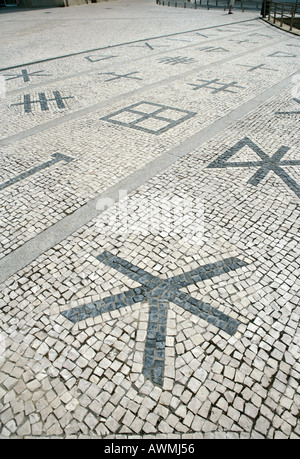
(94, 107)
(59, 231)
(37, 220)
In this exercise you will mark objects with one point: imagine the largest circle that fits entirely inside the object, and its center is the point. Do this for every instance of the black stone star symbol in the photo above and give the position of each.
(158, 293)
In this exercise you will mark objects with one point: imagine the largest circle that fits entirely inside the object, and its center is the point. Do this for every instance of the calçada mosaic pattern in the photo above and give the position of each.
(158, 293)
(121, 315)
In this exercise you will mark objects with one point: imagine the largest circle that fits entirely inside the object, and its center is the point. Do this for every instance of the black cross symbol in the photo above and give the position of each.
(257, 67)
(117, 76)
(266, 165)
(25, 75)
(43, 101)
(223, 86)
(158, 293)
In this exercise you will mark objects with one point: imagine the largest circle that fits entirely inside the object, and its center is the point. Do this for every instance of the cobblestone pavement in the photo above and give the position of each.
(149, 224)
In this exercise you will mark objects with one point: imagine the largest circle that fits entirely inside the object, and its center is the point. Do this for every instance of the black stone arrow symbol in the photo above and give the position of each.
(56, 158)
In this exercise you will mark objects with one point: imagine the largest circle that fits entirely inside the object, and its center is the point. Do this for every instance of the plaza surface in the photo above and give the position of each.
(149, 224)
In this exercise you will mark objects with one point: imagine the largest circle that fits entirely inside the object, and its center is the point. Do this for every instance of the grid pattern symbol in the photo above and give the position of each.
(149, 117)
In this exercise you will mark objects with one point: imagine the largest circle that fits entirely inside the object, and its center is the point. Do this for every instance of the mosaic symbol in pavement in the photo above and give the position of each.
(292, 112)
(43, 101)
(151, 47)
(212, 49)
(117, 76)
(281, 54)
(239, 42)
(177, 60)
(56, 158)
(26, 76)
(266, 165)
(257, 67)
(223, 86)
(158, 293)
(93, 58)
(201, 34)
(149, 117)
(228, 30)
(260, 35)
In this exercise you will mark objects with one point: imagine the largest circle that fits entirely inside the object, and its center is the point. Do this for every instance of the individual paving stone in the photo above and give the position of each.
(24, 430)
(262, 425)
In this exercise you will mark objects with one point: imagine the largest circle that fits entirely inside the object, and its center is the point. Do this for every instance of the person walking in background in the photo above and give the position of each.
(265, 8)
(231, 4)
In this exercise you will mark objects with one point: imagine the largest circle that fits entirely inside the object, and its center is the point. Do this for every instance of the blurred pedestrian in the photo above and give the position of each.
(265, 8)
